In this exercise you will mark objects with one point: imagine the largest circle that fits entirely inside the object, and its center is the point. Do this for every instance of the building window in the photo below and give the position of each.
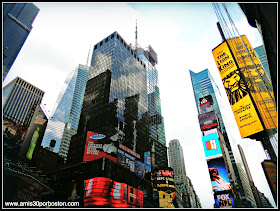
(95, 47)
(121, 40)
(118, 37)
(106, 39)
(101, 43)
(112, 36)
(124, 44)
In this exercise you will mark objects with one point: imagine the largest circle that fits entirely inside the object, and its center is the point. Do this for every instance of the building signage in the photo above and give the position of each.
(34, 135)
(129, 151)
(105, 192)
(207, 120)
(241, 103)
(218, 174)
(224, 199)
(211, 145)
(258, 82)
(147, 161)
(270, 170)
(99, 148)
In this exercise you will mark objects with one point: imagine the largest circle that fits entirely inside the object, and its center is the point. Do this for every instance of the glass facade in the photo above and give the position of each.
(203, 85)
(262, 57)
(66, 112)
(115, 101)
(17, 24)
(18, 98)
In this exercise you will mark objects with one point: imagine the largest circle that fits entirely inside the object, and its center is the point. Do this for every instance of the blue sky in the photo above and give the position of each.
(183, 36)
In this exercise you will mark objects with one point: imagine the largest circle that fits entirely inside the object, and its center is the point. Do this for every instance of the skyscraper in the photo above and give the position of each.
(66, 112)
(182, 181)
(262, 57)
(19, 97)
(17, 24)
(203, 85)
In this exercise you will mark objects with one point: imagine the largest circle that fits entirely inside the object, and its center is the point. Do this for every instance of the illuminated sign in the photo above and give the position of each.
(211, 145)
(206, 99)
(241, 103)
(166, 199)
(102, 191)
(224, 199)
(258, 82)
(99, 148)
(129, 151)
(147, 161)
(270, 170)
(218, 174)
(207, 120)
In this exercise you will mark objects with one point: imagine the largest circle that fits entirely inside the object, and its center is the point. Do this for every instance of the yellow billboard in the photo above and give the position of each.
(257, 81)
(241, 103)
(166, 199)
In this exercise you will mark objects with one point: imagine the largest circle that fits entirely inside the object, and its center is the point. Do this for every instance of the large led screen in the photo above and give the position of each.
(211, 145)
(105, 192)
(207, 120)
(241, 103)
(224, 199)
(96, 147)
(147, 161)
(218, 175)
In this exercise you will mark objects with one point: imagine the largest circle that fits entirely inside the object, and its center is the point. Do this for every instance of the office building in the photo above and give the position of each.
(19, 98)
(182, 181)
(66, 112)
(204, 85)
(17, 24)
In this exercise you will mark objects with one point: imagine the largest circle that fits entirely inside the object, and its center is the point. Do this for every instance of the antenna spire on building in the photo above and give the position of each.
(136, 44)
(88, 55)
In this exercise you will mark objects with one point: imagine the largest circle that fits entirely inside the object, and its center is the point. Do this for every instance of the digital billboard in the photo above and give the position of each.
(96, 147)
(270, 170)
(164, 186)
(35, 133)
(147, 161)
(207, 120)
(211, 146)
(13, 135)
(258, 82)
(105, 192)
(241, 103)
(207, 132)
(224, 199)
(206, 99)
(218, 174)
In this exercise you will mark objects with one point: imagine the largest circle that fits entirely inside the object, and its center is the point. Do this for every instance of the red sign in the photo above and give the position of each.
(129, 151)
(96, 148)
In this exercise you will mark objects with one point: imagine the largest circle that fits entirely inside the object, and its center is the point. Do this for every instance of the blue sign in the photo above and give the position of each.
(147, 161)
(211, 145)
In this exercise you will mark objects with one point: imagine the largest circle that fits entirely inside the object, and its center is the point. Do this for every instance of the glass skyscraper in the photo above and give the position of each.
(203, 85)
(262, 57)
(17, 24)
(19, 97)
(66, 112)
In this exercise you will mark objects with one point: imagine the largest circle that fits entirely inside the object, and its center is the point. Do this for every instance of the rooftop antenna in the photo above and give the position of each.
(88, 55)
(136, 44)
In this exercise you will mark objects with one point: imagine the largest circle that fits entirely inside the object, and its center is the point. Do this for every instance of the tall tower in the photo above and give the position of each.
(17, 24)
(19, 97)
(204, 85)
(66, 112)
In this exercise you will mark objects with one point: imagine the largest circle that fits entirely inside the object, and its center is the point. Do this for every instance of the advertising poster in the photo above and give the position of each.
(104, 192)
(243, 109)
(13, 135)
(126, 160)
(207, 120)
(147, 161)
(270, 170)
(218, 174)
(139, 168)
(34, 134)
(224, 199)
(259, 84)
(211, 146)
(205, 104)
(207, 132)
(97, 147)
(163, 183)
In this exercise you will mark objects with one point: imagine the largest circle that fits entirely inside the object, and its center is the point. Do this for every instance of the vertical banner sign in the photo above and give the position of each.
(258, 82)
(34, 134)
(211, 145)
(224, 199)
(270, 170)
(241, 103)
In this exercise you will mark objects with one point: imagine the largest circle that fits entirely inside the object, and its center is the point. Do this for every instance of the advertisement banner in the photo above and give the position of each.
(270, 170)
(96, 147)
(258, 82)
(126, 160)
(241, 103)
(13, 135)
(34, 135)
(102, 191)
(147, 161)
(218, 174)
(139, 168)
(211, 145)
(166, 199)
(207, 132)
(224, 199)
(207, 120)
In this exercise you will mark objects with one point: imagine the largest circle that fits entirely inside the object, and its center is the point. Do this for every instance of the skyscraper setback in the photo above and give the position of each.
(17, 24)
